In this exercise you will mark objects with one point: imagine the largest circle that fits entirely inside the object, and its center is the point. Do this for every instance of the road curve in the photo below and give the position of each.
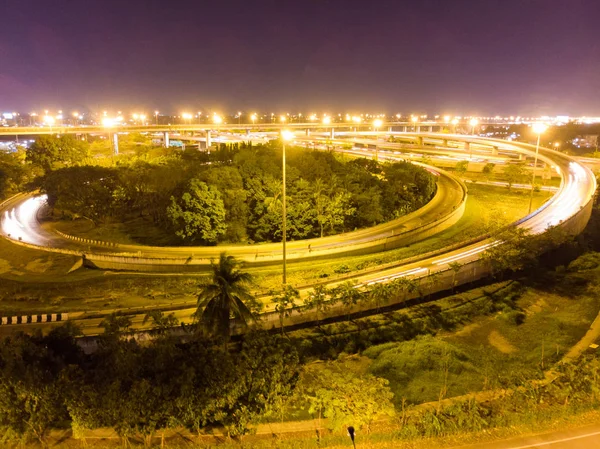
(19, 223)
(570, 207)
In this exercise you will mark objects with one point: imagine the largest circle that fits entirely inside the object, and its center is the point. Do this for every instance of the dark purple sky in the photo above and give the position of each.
(430, 56)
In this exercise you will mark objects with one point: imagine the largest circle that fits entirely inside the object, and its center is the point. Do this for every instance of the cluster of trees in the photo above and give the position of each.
(197, 381)
(141, 389)
(13, 172)
(234, 194)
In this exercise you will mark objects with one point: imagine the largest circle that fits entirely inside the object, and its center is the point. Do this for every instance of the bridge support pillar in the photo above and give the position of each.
(404, 128)
(521, 157)
(166, 142)
(390, 129)
(495, 151)
(208, 139)
(420, 141)
(116, 143)
(307, 132)
(431, 129)
(332, 133)
(418, 128)
(445, 143)
(468, 146)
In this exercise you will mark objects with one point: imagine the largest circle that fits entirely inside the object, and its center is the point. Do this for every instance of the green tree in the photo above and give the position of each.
(461, 167)
(317, 299)
(52, 152)
(285, 302)
(31, 382)
(162, 323)
(488, 170)
(229, 182)
(223, 296)
(116, 324)
(514, 174)
(13, 173)
(199, 213)
(88, 191)
(455, 267)
(338, 394)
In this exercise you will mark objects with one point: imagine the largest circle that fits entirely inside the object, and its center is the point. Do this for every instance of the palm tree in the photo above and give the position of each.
(223, 295)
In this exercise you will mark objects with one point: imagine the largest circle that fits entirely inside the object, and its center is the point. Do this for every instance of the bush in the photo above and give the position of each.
(341, 269)
(515, 317)
(587, 261)
(419, 369)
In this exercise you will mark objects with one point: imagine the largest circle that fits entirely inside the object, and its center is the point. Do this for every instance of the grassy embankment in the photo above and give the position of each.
(26, 286)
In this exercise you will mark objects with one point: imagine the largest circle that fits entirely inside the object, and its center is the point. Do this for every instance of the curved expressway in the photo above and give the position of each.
(570, 208)
(19, 222)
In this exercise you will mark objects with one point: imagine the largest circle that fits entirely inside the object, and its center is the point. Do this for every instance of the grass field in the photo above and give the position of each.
(487, 338)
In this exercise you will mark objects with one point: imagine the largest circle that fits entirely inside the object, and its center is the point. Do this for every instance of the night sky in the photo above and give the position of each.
(426, 56)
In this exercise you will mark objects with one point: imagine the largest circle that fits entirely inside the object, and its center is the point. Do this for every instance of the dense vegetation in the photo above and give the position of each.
(231, 195)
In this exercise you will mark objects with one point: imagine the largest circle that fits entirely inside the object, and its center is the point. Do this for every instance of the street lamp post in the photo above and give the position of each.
(538, 128)
(454, 123)
(473, 122)
(414, 119)
(285, 136)
(156, 117)
(377, 124)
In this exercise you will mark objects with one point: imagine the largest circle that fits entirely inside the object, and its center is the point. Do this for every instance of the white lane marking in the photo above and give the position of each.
(548, 443)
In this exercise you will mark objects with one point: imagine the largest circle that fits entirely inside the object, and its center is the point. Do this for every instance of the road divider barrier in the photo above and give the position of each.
(30, 319)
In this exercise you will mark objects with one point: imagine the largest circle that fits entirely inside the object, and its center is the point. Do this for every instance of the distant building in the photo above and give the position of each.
(586, 141)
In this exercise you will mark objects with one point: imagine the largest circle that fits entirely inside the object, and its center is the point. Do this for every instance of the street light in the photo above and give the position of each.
(414, 119)
(187, 116)
(473, 122)
(454, 123)
(286, 136)
(108, 122)
(538, 128)
(49, 120)
(326, 120)
(156, 117)
(377, 124)
(253, 118)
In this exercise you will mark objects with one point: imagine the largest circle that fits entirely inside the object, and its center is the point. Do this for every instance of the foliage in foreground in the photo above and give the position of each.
(47, 381)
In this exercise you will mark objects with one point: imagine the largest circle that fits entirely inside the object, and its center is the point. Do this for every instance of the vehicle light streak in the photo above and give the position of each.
(465, 254)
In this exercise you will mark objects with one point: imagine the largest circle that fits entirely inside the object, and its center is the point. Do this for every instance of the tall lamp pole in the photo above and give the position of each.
(538, 128)
(285, 137)
(377, 124)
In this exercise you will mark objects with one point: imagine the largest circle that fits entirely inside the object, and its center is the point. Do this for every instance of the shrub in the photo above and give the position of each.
(515, 317)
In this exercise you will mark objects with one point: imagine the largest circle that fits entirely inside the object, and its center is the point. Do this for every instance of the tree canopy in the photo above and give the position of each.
(234, 194)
